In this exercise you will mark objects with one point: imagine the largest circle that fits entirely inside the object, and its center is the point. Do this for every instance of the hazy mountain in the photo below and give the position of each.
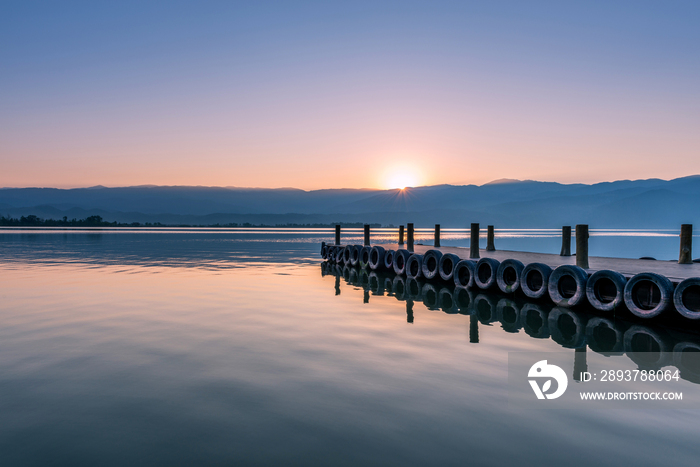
(650, 203)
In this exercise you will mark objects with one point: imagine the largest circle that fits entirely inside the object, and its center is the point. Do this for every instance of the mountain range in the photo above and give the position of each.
(651, 203)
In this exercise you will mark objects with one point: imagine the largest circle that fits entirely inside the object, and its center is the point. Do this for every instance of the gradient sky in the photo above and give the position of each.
(329, 95)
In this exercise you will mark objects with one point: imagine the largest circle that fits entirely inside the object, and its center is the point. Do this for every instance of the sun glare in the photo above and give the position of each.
(401, 180)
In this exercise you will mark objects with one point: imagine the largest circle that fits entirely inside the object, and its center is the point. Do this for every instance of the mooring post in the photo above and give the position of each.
(473, 329)
(474, 241)
(565, 241)
(490, 246)
(366, 234)
(582, 246)
(337, 234)
(409, 229)
(401, 235)
(686, 254)
(437, 235)
(580, 363)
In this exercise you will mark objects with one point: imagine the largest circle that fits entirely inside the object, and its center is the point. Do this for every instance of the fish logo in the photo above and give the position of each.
(542, 370)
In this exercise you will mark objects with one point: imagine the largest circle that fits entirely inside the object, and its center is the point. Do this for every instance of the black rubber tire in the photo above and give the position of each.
(554, 287)
(664, 286)
(347, 253)
(485, 308)
(340, 255)
(594, 295)
(509, 315)
(528, 284)
(447, 266)
(399, 288)
(463, 273)
(485, 274)
(330, 253)
(430, 267)
(642, 352)
(681, 297)
(400, 259)
(535, 320)
(364, 257)
(376, 258)
(389, 259)
(355, 256)
(446, 301)
(429, 294)
(414, 266)
(324, 250)
(463, 299)
(505, 270)
(414, 289)
(604, 337)
(560, 330)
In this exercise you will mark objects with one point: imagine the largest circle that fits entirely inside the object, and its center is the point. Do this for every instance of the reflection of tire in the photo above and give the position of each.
(646, 347)
(605, 290)
(509, 313)
(567, 286)
(567, 328)
(446, 301)
(686, 298)
(400, 259)
(376, 285)
(464, 272)
(364, 256)
(430, 264)
(508, 275)
(414, 266)
(485, 308)
(534, 280)
(463, 299)
(447, 266)
(389, 259)
(604, 337)
(535, 320)
(430, 296)
(414, 289)
(389, 286)
(648, 294)
(686, 357)
(399, 288)
(376, 258)
(485, 275)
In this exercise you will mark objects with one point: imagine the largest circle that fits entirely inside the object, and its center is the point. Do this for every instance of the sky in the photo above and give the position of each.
(347, 94)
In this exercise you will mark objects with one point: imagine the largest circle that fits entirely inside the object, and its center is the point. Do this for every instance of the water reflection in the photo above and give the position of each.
(649, 346)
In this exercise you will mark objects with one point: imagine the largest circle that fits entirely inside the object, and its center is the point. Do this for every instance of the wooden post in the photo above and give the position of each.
(401, 235)
(366, 234)
(686, 254)
(409, 229)
(474, 241)
(582, 246)
(337, 234)
(565, 241)
(437, 236)
(490, 246)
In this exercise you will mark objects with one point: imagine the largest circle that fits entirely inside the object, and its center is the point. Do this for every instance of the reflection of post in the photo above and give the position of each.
(366, 296)
(337, 234)
(474, 241)
(409, 228)
(337, 285)
(409, 311)
(473, 329)
(401, 235)
(580, 364)
(436, 243)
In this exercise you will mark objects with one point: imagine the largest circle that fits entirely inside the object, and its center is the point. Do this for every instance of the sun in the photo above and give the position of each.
(401, 179)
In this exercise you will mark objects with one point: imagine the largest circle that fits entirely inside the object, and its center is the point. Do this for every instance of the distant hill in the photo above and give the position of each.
(505, 203)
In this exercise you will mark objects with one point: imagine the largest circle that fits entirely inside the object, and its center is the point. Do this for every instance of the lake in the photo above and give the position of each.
(242, 347)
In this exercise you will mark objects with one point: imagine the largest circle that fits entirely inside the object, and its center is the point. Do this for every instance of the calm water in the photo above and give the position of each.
(196, 347)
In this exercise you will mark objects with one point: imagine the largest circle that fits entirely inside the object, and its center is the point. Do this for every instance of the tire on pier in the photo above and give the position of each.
(485, 276)
(355, 256)
(485, 309)
(463, 299)
(464, 272)
(686, 298)
(429, 295)
(400, 259)
(567, 328)
(535, 320)
(604, 337)
(686, 357)
(324, 250)
(605, 290)
(347, 254)
(447, 266)
(567, 286)
(648, 294)
(509, 314)
(414, 266)
(446, 301)
(389, 259)
(340, 255)
(648, 348)
(399, 288)
(430, 267)
(534, 280)
(330, 253)
(508, 275)
(364, 256)
(376, 258)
